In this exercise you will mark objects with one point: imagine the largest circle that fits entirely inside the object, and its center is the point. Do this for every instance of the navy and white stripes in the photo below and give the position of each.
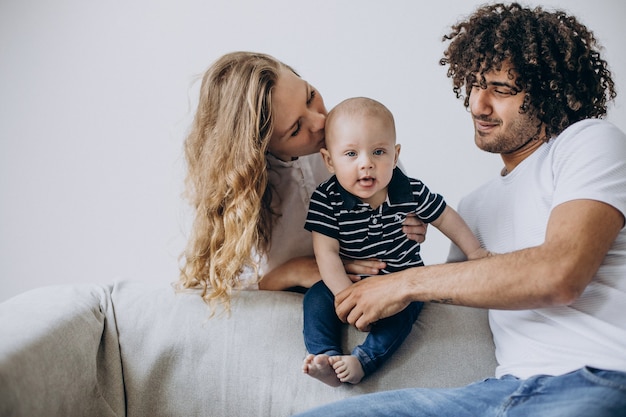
(365, 233)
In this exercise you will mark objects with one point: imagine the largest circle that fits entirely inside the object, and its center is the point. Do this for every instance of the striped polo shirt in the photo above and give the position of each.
(365, 233)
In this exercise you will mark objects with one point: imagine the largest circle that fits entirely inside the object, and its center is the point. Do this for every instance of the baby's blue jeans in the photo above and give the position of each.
(322, 329)
(587, 392)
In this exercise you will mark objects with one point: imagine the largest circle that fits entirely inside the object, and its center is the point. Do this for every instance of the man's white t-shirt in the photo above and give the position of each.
(587, 161)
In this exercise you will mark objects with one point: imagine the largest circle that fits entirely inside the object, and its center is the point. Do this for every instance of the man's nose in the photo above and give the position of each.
(479, 103)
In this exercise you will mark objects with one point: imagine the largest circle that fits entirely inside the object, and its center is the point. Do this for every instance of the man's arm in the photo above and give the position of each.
(578, 236)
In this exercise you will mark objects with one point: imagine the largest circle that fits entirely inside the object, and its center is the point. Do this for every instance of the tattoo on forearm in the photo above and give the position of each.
(443, 301)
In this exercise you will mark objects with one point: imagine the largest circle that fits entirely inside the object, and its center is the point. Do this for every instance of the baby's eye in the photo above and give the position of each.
(350, 153)
(379, 152)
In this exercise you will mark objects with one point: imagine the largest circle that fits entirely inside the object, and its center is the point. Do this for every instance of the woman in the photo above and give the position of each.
(253, 163)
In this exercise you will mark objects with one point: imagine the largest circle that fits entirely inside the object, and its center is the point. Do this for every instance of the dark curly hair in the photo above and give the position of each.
(555, 57)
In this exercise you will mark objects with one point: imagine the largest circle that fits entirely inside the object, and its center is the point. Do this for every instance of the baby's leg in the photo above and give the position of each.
(347, 368)
(319, 367)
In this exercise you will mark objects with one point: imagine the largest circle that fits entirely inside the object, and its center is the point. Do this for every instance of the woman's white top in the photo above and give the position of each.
(293, 184)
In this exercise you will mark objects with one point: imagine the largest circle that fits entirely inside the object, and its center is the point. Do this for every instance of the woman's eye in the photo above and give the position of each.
(295, 132)
(311, 96)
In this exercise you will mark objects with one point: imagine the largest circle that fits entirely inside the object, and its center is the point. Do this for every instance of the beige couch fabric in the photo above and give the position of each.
(133, 349)
(179, 362)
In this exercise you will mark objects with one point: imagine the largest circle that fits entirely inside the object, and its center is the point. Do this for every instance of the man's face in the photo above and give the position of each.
(498, 124)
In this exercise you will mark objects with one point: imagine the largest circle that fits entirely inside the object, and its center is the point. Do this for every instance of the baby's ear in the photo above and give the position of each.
(397, 154)
(327, 160)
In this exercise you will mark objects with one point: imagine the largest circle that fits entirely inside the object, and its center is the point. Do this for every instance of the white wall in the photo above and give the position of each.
(96, 97)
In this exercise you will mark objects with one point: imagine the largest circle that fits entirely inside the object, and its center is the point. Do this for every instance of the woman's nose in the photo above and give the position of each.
(318, 121)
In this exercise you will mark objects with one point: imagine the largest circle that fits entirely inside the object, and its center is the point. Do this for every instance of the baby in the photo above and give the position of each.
(358, 214)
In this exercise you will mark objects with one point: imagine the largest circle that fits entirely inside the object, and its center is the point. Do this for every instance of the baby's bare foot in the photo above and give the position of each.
(319, 367)
(347, 368)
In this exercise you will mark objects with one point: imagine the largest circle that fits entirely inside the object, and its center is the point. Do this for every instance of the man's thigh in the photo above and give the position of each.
(586, 392)
(479, 399)
(583, 393)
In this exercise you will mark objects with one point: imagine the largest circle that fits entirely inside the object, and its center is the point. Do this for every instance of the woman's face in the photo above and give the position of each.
(299, 118)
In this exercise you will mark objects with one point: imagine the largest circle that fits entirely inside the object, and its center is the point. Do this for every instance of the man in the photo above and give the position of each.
(536, 87)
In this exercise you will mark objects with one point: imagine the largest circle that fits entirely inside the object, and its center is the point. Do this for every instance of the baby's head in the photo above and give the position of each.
(361, 147)
(358, 110)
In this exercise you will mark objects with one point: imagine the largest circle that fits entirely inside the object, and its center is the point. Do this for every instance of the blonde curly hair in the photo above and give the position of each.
(227, 179)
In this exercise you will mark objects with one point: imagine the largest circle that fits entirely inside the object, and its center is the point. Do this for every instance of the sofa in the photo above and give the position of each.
(136, 349)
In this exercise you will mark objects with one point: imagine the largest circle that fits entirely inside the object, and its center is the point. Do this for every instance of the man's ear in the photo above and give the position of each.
(327, 160)
(397, 155)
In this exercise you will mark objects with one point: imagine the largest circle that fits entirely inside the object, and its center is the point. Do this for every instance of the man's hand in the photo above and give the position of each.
(370, 300)
(414, 228)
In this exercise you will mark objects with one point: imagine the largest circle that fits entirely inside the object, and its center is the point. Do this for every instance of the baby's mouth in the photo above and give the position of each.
(366, 181)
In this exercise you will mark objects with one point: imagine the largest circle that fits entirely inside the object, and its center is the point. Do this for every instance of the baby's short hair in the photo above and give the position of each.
(360, 106)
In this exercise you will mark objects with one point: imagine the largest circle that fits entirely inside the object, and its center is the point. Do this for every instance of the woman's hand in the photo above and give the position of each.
(303, 272)
(354, 268)
(414, 228)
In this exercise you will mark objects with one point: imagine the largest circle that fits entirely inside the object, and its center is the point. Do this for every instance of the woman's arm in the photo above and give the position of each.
(303, 271)
(578, 237)
(296, 272)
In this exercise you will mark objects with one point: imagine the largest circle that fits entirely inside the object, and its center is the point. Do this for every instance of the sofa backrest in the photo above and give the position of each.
(136, 350)
(179, 362)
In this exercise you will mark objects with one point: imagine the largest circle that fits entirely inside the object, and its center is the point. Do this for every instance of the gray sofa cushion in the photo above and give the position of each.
(179, 362)
(59, 354)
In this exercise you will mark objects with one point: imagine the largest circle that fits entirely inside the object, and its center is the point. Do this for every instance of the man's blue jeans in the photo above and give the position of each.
(322, 329)
(584, 393)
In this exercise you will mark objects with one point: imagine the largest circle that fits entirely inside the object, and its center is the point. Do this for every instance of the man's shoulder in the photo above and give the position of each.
(590, 128)
(587, 140)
